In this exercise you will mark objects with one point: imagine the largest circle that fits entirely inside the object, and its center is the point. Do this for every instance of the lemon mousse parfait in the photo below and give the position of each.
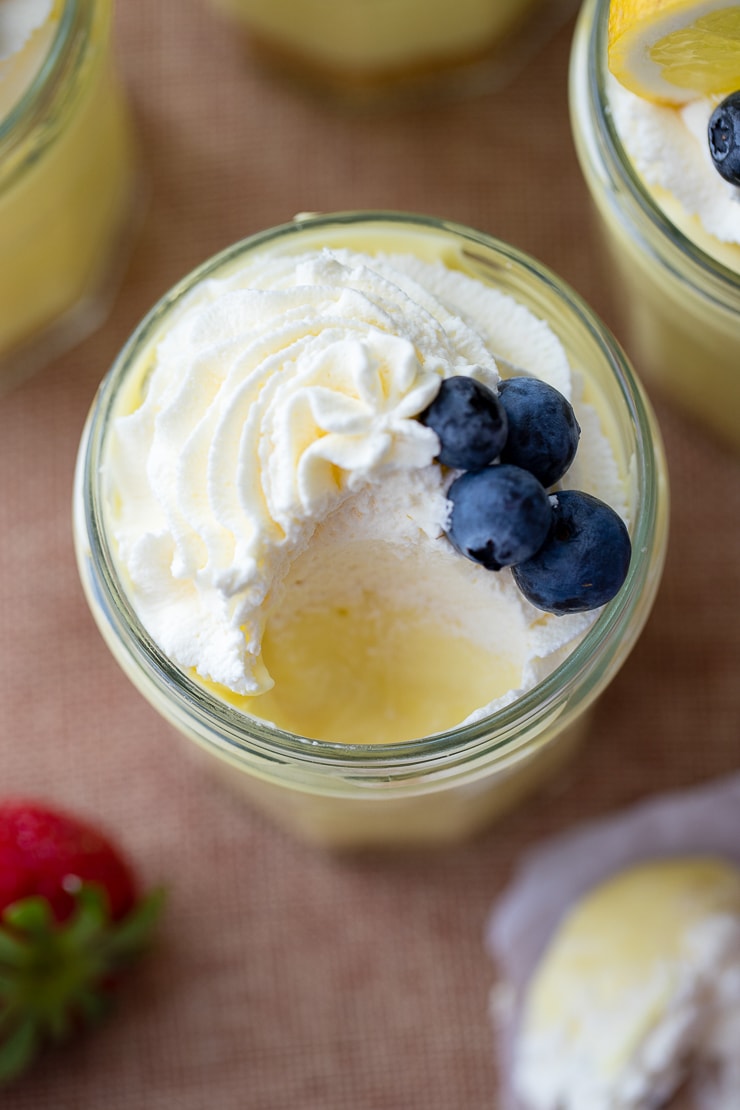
(67, 176)
(357, 51)
(637, 995)
(315, 526)
(652, 124)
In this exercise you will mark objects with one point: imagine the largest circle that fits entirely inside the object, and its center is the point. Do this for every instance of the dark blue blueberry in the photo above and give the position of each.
(469, 421)
(500, 515)
(543, 430)
(584, 560)
(724, 138)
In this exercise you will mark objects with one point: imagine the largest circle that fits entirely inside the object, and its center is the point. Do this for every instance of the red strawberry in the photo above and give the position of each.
(70, 919)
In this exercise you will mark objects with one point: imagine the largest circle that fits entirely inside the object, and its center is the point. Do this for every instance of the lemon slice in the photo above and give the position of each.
(673, 51)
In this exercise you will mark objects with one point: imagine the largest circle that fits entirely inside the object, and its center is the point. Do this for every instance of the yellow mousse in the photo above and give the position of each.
(332, 681)
(65, 184)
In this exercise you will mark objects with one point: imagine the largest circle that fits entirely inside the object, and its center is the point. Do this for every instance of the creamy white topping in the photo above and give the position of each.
(626, 1034)
(26, 33)
(282, 401)
(18, 20)
(636, 1055)
(669, 149)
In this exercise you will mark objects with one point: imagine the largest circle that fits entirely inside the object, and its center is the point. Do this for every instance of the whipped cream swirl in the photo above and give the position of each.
(276, 394)
(280, 394)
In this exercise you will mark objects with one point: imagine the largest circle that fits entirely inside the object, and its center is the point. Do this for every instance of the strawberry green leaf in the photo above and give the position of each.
(58, 976)
(90, 916)
(31, 916)
(93, 1006)
(18, 1050)
(11, 947)
(133, 932)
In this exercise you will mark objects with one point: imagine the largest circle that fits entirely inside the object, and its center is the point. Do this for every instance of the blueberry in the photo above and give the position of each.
(469, 421)
(543, 430)
(500, 515)
(724, 138)
(584, 560)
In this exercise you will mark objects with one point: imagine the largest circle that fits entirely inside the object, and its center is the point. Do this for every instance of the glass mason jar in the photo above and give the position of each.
(681, 305)
(67, 185)
(358, 51)
(448, 785)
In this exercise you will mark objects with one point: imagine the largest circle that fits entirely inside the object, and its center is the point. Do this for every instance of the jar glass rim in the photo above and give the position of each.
(32, 109)
(584, 665)
(662, 238)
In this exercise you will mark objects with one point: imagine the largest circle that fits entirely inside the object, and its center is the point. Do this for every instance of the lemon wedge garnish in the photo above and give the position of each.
(673, 51)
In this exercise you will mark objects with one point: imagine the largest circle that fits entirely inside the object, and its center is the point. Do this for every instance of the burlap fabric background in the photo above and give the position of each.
(284, 978)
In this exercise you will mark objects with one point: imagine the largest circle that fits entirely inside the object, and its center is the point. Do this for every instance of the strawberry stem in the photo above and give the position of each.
(56, 977)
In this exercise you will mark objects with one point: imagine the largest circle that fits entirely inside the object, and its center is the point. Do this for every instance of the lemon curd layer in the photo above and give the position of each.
(333, 683)
(66, 185)
(375, 645)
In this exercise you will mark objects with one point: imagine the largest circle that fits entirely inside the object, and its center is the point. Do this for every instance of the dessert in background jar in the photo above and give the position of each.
(617, 950)
(647, 81)
(655, 951)
(354, 509)
(67, 176)
(360, 52)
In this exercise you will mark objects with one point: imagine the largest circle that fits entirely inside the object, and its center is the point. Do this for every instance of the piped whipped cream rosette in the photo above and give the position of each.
(617, 946)
(279, 417)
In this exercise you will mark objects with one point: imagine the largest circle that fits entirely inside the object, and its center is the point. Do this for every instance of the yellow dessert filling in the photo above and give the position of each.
(368, 676)
(369, 646)
(64, 197)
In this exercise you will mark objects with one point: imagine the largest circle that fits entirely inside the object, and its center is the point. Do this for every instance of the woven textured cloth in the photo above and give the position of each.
(284, 978)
